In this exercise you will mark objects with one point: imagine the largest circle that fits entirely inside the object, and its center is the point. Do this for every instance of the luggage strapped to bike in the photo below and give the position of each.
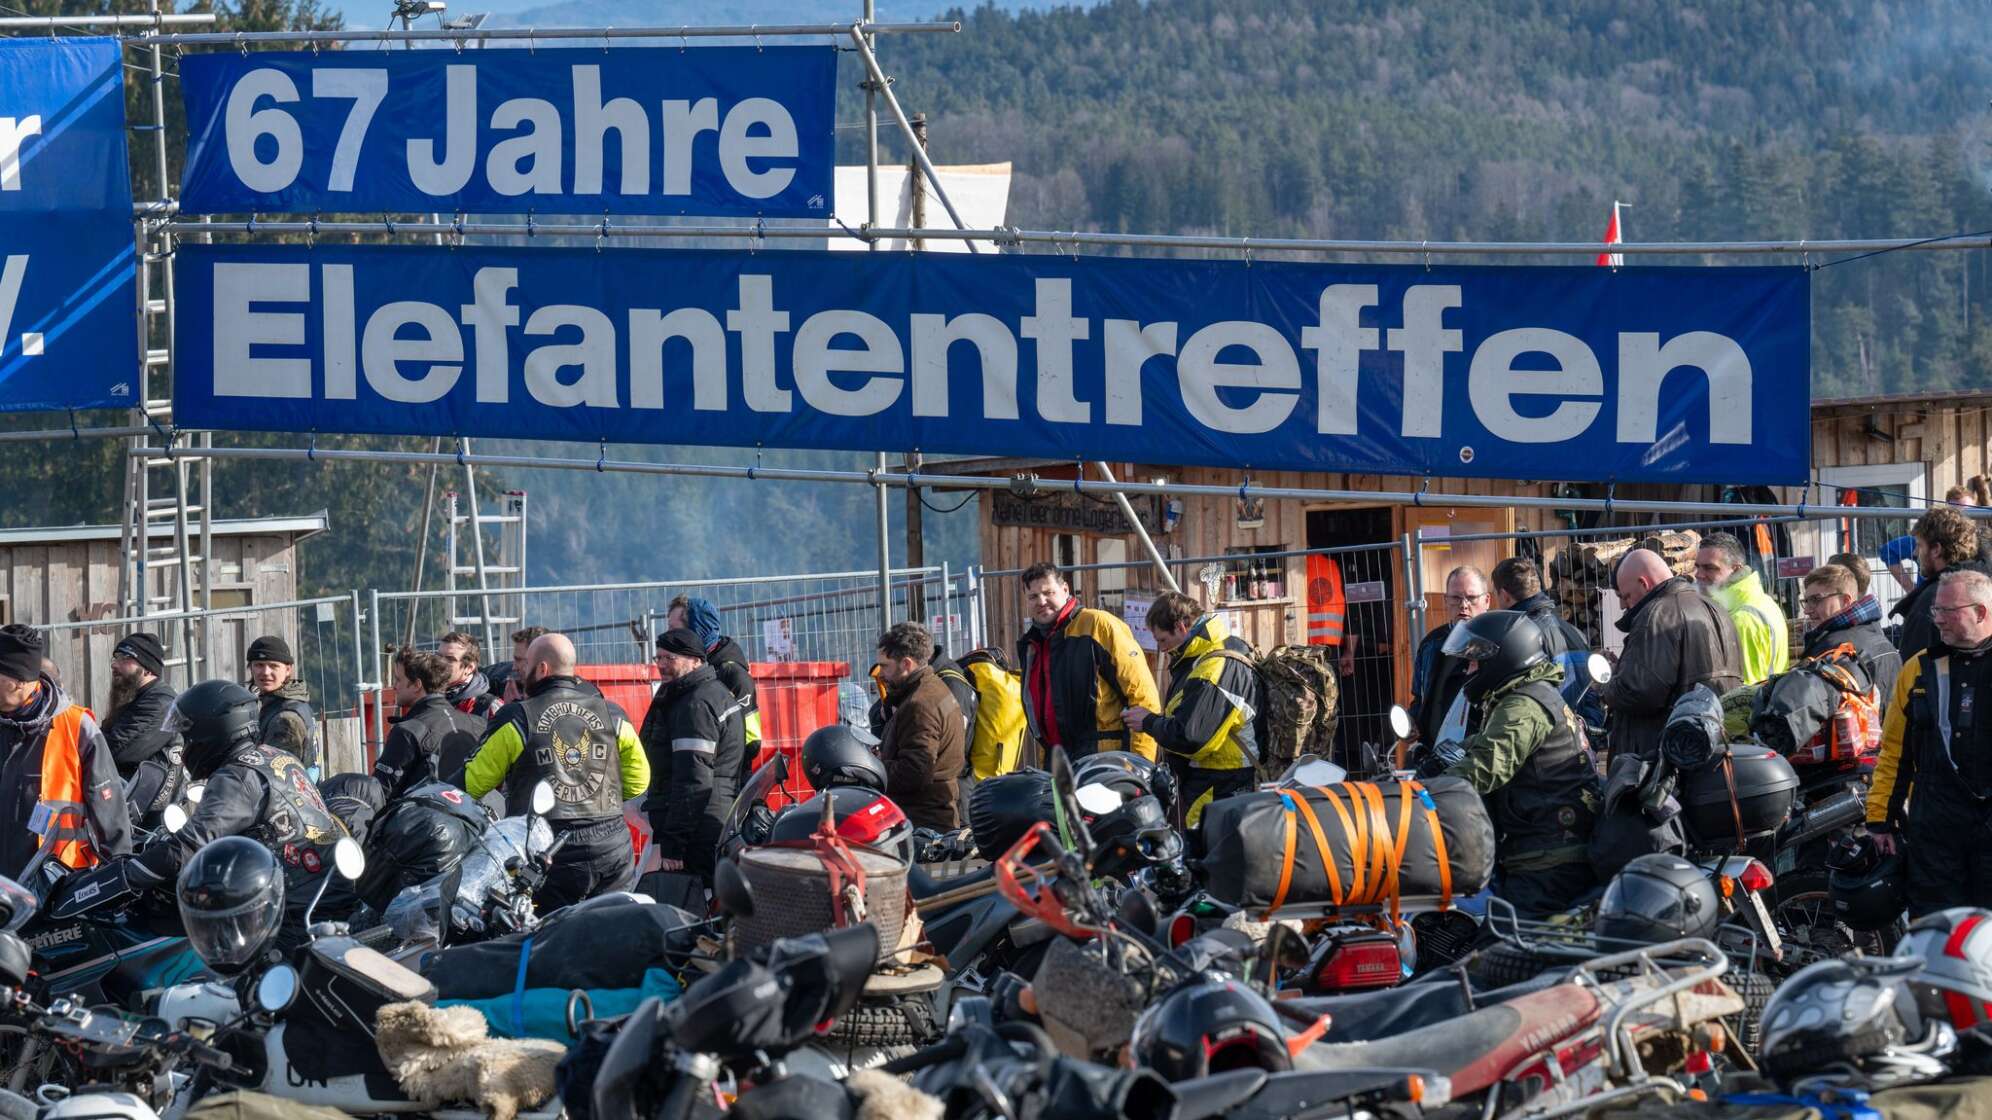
(1376, 851)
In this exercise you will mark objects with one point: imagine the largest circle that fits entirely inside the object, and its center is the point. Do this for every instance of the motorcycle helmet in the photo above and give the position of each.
(1657, 898)
(1504, 644)
(1129, 775)
(1207, 1027)
(231, 896)
(1867, 888)
(1855, 1011)
(1955, 949)
(212, 718)
(835, 756)
(1003, 808)
(863, 816)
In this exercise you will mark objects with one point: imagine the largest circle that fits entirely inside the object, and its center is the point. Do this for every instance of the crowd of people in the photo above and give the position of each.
(1501, 697)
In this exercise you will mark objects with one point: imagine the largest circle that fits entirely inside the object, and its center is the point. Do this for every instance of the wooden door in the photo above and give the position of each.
(1440, 555)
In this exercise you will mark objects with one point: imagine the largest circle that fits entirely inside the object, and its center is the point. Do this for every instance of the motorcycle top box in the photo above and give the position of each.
(1751, 791)
(349, 983)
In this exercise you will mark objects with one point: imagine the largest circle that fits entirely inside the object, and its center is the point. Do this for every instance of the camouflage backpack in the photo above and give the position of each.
(1299, 699)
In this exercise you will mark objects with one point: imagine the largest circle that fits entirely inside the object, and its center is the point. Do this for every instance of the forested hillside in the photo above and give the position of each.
(1467, 119)
(1512, 120)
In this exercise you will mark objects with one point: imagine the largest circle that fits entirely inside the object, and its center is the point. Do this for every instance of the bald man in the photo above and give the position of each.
(564, 733)
(1676, 638)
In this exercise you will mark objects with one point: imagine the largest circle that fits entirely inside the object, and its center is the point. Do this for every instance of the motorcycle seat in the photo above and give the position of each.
(1473, 1051)
(1363, 1016)
(1217, 1094)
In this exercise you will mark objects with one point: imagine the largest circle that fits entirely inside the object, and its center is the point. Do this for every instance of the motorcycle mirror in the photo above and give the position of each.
(277, 989)
(543, 798)
(1137, 912)
(1400, 721)
(1283, 950)
(349, 858)
(174, 818)
(1098, 798)
(1599, 669)
(736, 896)
(195, 791)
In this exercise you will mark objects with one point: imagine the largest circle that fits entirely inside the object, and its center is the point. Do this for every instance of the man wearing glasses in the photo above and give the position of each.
(1435, 678)
(1839, 615)
(1937, 742)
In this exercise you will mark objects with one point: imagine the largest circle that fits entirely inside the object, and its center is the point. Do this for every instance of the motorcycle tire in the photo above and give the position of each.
(1500, 965)
(902, 1021)
(1801, 908)
(1756, 990)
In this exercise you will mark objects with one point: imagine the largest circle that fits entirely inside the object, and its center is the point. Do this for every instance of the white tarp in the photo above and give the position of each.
(980, 192)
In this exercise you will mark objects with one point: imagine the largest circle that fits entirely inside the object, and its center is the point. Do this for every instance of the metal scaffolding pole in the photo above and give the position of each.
(129, 19)
(919, 149)
(1140, 530)
(533, 34)
(1028, 484)
(1066, 241)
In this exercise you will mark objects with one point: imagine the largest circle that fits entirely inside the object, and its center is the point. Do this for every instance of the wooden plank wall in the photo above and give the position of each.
(1950, 439)
(75, 581)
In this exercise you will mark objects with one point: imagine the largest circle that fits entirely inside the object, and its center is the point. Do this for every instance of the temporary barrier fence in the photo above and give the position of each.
(1576, 565)
(323, 633)
(1268, 598)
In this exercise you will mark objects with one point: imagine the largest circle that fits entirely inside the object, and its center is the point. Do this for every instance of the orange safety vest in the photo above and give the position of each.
(1327, 607)
(62, 790)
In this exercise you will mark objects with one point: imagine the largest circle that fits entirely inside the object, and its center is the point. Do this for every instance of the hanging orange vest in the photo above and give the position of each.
(62, 790)
(1327, 607)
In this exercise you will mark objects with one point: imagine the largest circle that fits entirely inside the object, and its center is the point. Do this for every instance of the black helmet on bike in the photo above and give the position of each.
(1212, 1026)
(835, 756)
(1856, 1011)
(1129, 775)
(231, 896)
(1657, 898)
(1867, 888)
(1504, 644)
(212, 718)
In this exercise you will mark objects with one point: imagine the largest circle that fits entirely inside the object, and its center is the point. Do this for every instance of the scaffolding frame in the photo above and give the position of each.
(154, 443)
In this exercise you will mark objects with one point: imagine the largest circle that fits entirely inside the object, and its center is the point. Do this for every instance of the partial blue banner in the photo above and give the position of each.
(727, 131)
(1634, 374)
(68, 257)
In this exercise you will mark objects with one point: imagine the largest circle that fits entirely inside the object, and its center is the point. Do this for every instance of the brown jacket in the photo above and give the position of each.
(1676, 638)
(924, 750)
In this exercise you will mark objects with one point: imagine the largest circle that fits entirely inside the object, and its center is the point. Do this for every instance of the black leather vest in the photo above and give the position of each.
(1553, 798)
(571, 741)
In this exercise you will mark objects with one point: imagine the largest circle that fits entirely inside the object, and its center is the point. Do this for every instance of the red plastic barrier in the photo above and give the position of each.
(796, 698)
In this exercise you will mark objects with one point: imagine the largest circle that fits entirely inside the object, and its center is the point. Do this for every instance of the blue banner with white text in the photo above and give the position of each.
(727, 131)
(68, 258)
(1633, 374)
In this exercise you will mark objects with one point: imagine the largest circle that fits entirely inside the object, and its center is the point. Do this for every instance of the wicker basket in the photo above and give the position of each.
(792, 895)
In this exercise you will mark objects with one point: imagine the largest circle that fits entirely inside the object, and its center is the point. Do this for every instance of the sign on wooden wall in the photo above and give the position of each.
(1073, 513)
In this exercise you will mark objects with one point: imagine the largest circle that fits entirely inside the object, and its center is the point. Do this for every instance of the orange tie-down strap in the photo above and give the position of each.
(1376, 850)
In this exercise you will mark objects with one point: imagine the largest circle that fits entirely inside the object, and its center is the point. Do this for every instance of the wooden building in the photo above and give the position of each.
(1900, 451)
(65, 578)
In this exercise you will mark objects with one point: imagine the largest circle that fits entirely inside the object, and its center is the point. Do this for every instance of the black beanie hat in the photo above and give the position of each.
(145, 649)
(20, 652)
(682, 642)
(269, 647)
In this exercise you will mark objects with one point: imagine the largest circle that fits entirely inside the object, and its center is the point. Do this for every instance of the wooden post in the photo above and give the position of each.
(916, 545)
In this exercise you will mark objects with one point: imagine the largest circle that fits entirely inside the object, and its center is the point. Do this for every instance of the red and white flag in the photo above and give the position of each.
(1614, 235)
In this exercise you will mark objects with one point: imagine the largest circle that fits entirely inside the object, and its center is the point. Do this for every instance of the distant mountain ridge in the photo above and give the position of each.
(665, 13)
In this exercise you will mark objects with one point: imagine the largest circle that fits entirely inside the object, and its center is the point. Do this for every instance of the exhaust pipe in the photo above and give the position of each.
(1843, 809)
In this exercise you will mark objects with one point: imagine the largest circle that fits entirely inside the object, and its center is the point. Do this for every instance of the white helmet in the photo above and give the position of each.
(1955, 984)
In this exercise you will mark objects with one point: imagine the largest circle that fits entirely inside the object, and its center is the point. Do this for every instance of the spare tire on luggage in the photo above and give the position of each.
(420, 835)
(1003, 808)
(1267, 849)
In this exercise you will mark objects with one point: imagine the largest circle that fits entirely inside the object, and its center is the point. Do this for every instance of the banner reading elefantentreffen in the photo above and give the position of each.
(1681, 374)
(708, 130)
(68, 260)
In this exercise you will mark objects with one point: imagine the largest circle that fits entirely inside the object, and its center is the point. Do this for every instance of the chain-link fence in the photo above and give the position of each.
(1363, 600)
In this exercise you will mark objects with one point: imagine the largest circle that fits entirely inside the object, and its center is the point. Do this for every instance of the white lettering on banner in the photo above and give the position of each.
(1493, 383)
(11, 278)
(755, 136)
(14, 130)
(1236, 377)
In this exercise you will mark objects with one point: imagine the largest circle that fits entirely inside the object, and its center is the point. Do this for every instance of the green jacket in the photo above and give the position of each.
(1760, 626)
(1509, 728)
